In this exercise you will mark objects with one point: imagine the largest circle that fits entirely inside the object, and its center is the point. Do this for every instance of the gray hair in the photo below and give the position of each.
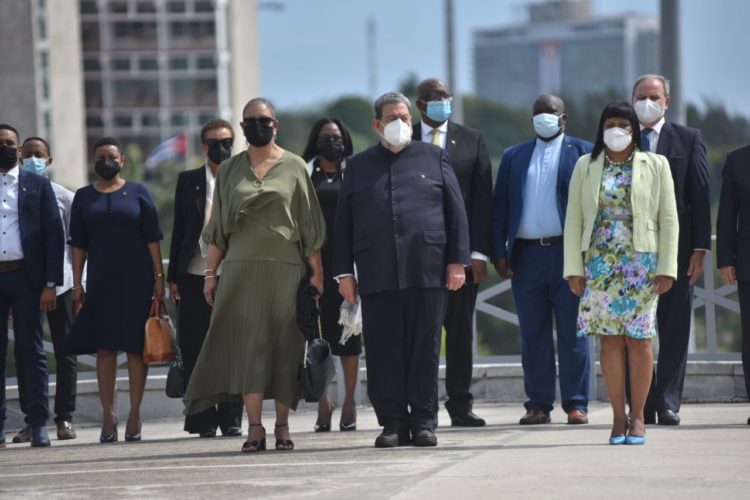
(389, 98)
(662, 79)
(260, 100)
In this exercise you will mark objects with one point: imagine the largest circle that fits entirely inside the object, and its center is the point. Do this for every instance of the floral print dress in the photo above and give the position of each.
(619, 298)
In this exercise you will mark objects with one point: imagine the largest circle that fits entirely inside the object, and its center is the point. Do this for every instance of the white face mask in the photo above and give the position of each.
(617, 139)
(546, 124)
(397, 133)
(648, 111)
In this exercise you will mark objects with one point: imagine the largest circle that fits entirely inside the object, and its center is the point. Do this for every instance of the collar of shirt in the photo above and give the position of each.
(210, 178)
(657, 126)
(554, 143)
(13, 172)
(427, 131)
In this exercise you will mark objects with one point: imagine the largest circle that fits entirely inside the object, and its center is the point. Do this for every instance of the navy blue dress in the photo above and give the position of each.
(114, 229)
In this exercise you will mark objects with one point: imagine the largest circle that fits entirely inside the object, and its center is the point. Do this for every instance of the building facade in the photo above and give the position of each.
(139, 70)
(564, 50)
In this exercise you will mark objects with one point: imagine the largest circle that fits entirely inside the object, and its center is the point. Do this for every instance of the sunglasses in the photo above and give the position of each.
(226, 143)
(263, 121)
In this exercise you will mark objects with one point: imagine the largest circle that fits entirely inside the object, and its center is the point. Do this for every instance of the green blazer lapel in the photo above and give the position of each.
(638, 176)
(594, 177)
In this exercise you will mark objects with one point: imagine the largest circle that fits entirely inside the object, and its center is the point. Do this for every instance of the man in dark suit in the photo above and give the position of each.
(733, 241)
(528, 216)
(686, 153)
(187, 268)
(468, 156)
(401, 220)
(31, 265)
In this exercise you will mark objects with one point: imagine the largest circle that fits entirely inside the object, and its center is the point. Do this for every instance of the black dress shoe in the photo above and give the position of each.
(669, 417)
(424, 437)
(468, 419)
(231, 432)
(208, 434)
(392, 437)
(24, 435)
(39, 437)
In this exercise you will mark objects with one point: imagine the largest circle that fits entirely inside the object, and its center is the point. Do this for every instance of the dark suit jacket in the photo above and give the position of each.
(470, 160)
(507, 197)
(401, 218)
(42, 238)
(733, 221)
(189, 210)
(683, 147)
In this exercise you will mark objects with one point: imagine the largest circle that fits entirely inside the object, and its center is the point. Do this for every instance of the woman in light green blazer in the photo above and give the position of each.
(620, 242)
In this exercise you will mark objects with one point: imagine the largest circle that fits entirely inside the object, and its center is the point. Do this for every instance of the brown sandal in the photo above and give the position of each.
(254, 446)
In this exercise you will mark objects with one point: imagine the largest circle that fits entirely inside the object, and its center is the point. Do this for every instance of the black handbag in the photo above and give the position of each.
(175, 387)
(317, 370)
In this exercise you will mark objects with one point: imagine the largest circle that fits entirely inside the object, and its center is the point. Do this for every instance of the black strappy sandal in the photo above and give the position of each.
(255, 446)
(284, 444)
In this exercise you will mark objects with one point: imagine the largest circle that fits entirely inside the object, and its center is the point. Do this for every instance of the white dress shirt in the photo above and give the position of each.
(540, 217)
(654, 135)
(10, 239)
(442, 132)
(198, 263)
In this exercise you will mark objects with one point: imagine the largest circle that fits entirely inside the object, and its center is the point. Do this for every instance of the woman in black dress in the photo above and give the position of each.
(327, 148)
(114, 228)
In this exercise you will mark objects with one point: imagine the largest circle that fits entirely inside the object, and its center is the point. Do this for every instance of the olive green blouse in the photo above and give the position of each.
(275, 218)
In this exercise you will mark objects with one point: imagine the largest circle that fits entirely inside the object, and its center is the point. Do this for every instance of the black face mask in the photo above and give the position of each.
(257, 135)
(8, 157)
(218, 151)
(107, 168)
(331, 148)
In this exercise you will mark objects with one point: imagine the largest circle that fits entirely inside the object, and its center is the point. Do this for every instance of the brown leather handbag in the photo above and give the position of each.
(159, 338)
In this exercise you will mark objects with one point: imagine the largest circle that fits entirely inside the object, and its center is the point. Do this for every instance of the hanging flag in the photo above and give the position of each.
(173, 148)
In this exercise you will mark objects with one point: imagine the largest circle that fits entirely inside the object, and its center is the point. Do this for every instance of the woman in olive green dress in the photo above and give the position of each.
(265, 225)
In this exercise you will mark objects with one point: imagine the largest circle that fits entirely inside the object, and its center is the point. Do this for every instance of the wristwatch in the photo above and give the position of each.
(50, 284)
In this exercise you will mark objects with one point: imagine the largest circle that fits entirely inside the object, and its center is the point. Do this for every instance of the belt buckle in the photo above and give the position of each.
(544, 242)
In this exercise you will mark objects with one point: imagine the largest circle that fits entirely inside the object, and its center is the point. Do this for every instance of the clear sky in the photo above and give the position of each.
(315, 50)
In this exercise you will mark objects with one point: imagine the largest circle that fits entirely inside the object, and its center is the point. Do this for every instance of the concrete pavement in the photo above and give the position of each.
(706, 457)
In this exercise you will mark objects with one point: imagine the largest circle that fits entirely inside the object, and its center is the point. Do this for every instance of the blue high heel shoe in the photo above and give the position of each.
(635, 440)
(617, 439)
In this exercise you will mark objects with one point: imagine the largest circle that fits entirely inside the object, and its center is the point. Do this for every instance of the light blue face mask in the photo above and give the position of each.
(35, 165)
(438, 111)
(546, 125)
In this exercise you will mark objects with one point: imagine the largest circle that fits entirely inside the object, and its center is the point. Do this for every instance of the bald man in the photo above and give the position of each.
(528, 212)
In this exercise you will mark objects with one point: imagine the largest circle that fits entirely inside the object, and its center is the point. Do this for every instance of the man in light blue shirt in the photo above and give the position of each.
(528, 211)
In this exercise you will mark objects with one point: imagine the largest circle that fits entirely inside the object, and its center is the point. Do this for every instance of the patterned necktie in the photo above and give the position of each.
(435, 137)
(645, 140)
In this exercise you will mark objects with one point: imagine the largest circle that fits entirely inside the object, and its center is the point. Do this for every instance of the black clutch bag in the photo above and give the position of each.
(176, 382)
(317, 370)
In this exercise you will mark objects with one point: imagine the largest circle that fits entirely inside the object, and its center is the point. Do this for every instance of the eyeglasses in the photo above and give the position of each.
(226, 143)
(438, 97)
(263, 121)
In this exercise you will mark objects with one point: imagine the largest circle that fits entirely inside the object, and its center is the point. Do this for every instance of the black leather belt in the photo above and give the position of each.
(542, 242)
(7, 266)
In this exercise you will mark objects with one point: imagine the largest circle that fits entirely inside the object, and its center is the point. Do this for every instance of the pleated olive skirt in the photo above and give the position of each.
(253, 344)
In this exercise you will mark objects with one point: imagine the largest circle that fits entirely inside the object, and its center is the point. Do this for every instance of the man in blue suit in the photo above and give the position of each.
(528, 211)
(31, 265)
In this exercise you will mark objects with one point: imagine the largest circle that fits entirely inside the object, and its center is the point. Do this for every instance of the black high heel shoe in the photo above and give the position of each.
(326, 426)
(134, 436)
(285, 444)
(109, 438)
(351, 426)
(254, 446)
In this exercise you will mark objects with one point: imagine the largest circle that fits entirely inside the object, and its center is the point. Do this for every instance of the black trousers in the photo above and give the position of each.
(459, 346)
(402, 341)
(743, 289)
(17, 293)
(193, 318)
(60, 320)
(673, 317)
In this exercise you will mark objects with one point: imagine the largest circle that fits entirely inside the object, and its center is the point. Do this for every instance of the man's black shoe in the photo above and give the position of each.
(39, 437)
(392, 437)
(669, 417)
(424, 437)
(468, 419)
